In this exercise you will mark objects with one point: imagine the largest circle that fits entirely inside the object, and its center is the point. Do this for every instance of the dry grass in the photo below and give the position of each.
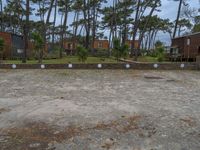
(189, 121)
(121, 126)
(44, 134)
(2, 110)
(23, 137)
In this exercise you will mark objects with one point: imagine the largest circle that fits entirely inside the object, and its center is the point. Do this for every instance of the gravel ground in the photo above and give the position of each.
(99, 110)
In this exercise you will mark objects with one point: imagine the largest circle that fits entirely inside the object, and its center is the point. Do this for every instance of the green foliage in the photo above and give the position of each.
(120, 51)
(38, 45)
(82, 53)
(124, 51)
(196, 28)
(1, 45)
(54, 53)
(38, 41)
(102, 54)
(160, 54)
(158, 44)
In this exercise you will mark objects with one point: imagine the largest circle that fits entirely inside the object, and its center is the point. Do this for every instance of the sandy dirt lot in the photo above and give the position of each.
(99, 110)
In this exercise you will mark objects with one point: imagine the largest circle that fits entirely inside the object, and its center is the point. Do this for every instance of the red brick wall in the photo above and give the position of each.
(130, 43)
(179, 43)
(190, 51)
(101, 44)
(193, 49)
(8, 44)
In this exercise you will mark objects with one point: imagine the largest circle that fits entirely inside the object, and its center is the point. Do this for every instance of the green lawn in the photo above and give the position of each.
(65, 60)
(147, 59)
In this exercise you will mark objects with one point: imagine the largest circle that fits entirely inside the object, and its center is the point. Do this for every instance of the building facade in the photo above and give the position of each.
(130, 43)
(71, 45)
(101, 44)
(13, 46)
(186, 47)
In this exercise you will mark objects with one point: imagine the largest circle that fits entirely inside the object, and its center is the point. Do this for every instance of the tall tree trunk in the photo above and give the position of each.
(76, 26)
(42, 15)
(1, 13)
(64, 28)
(135, 28)
(177, 19)
(179, 30)
(26, 31)
(146, 42)
(154, 38)
(150, 37)
(54, 24)
(110, 41)
(49, 12)
(146, 23)
(86, 14)
(93, 27)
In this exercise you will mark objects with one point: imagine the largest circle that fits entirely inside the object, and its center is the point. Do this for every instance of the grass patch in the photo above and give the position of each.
(147, 59)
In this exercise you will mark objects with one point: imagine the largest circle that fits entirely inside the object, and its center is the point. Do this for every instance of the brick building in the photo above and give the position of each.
(130, 43)
(70, 45)
(14, 46)
(101, 44)
(186, 47)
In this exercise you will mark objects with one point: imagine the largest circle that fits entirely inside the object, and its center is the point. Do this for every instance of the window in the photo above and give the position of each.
(70, 46)
(100, 45)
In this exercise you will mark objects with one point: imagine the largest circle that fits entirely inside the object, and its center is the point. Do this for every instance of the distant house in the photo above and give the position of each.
(14, 46)
(101, 44)
(186, 47)
(70, 45)
(131, 42)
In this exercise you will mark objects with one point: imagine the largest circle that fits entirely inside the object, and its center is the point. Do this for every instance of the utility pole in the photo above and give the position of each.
(26, 31)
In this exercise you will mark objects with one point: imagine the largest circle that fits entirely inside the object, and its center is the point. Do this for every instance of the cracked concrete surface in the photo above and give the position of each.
(94, 107)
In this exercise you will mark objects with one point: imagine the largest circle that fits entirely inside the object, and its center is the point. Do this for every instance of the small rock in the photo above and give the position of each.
(56, 132)
(34, 145)
(109, 141)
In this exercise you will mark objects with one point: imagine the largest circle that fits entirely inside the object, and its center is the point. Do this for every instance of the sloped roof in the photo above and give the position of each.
(192, 34)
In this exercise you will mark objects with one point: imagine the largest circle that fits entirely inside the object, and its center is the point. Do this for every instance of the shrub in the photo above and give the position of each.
(38, 45)
(120, 51)
(124, 51)
(160, 54)
(82, 53)
(102, 53)
(54, 53)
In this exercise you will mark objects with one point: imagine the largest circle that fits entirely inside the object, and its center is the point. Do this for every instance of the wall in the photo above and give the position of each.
(105, 44)
(135, 66)
(130, 43)
(8, 44)
(194, 46)
(188, 51)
